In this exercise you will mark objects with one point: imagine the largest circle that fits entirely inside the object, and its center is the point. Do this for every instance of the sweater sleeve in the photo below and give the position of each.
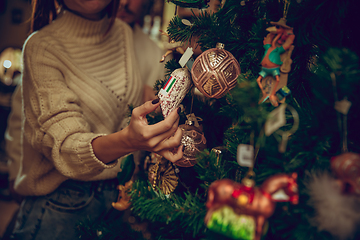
(54, 123)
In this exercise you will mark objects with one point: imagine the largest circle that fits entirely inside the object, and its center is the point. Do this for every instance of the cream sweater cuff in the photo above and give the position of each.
(88, 157)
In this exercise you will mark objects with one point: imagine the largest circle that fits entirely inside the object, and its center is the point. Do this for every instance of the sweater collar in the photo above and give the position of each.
(84, 30)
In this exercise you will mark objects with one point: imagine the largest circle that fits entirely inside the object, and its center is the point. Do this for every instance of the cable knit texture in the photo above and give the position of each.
(77, 85)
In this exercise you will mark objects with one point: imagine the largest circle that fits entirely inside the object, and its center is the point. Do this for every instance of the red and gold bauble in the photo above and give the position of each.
(215, 72)
(193, 141)
(346, 168)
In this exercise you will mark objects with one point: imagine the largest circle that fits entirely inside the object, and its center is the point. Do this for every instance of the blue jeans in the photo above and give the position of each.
(56, 215)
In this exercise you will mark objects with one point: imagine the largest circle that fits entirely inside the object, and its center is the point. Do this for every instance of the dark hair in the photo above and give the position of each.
(45, 11)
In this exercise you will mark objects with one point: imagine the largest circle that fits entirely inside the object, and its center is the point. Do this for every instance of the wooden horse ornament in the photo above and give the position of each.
(257, 202)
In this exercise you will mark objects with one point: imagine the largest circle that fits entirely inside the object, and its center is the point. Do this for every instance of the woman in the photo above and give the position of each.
(79, 78)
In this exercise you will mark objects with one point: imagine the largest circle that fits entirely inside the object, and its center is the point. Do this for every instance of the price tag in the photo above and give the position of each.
(276, 120)
(342, 106)
(283, 143)
(245, 155)
(186, 22)
(186, 56)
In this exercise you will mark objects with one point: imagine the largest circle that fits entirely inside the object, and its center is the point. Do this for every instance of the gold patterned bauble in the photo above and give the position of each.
(162, 175)
(215, 72)
(194, 142)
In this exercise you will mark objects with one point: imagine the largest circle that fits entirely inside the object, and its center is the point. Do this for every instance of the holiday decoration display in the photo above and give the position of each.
(245, 199)
(276, 62)
(174, 90)
(324, 91)
(127, 168)
(161, 174)
(215, 72)
(193, 141)
(346, 168)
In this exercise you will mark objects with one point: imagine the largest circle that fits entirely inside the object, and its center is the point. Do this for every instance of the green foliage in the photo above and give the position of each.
(171, 216)
(109, 227)
(190, 3)
(320, 29)
(127, 168)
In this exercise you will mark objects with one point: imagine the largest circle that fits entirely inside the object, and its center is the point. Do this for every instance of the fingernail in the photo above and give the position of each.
(179, 110)
(155, 101)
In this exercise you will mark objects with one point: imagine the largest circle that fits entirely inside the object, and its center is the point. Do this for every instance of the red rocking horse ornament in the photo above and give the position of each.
(254, 202)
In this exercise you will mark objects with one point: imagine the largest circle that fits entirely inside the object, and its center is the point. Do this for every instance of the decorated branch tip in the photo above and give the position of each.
(191, 3)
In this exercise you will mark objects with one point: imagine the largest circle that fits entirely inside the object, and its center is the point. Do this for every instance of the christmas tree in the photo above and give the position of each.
(259, 127)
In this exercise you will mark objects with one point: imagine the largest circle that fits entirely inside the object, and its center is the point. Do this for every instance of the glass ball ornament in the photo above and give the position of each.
(194, 142)
(346, 168)
(215, 72)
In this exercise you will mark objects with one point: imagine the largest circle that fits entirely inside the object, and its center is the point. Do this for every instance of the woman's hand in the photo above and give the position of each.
(160, 138)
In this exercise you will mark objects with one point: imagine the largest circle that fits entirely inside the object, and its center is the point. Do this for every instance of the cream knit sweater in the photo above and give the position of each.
(77, 85)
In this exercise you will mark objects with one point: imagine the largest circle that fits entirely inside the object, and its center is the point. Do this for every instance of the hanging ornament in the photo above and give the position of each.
(346, 168)
(276, 63)
(161, 174)
(276, 120)
(215, 72)
(174, 90)
(193, 140)
(124, 176)
(123, 201)
(171, 46)
(240, 210)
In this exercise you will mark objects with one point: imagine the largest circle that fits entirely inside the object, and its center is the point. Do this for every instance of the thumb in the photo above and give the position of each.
(146, 108)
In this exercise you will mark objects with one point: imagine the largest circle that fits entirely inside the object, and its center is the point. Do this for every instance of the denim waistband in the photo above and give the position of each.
(99, 185)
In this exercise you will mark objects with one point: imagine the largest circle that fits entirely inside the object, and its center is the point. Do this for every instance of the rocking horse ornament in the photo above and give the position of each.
(276, 62)
(230, 204)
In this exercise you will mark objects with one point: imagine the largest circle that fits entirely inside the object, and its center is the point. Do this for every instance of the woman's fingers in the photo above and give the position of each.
(158, 139)
(169, 142)
(163, 136)
(165, 125)
(141, 111)
(171, 155)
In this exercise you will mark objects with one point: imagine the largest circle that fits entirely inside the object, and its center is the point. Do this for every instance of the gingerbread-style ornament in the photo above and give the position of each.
(215, 72)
